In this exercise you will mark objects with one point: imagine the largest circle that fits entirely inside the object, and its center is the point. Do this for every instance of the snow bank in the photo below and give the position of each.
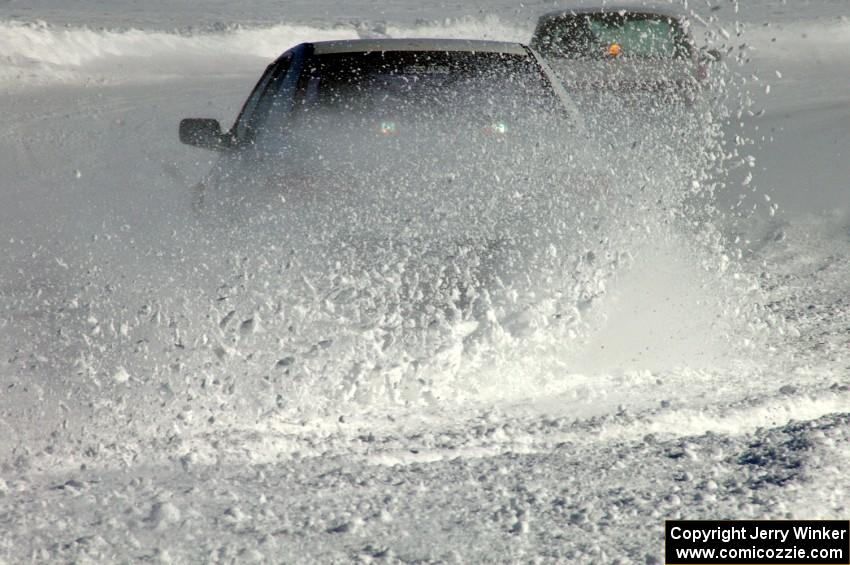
(43, 53)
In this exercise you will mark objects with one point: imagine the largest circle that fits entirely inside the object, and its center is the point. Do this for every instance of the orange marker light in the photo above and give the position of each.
(614, 50)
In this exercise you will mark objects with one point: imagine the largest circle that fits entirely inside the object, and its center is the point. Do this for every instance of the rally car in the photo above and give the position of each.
(460, 161)
(355, 107)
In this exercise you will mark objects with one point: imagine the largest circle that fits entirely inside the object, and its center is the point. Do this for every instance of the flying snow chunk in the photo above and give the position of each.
(121, 375)
(163, 514)
(235, 515)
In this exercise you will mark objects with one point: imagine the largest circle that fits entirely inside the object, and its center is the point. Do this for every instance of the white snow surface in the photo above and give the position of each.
(179, 392)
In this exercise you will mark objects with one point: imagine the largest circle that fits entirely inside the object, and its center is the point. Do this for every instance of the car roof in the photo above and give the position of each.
(424, 44)
(634, 8)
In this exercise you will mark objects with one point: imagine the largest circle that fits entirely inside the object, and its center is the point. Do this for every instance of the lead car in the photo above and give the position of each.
(452, 160)
(394, 110)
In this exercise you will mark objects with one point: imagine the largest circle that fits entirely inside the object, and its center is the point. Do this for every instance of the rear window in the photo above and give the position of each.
(592, 36)
(425, 84)
(432, 97)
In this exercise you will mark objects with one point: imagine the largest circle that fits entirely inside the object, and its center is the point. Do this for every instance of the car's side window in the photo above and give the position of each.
(271, 120)
(247, 117)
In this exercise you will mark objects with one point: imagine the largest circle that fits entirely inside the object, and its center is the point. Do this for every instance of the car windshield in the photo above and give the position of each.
(605, 35)
(415, 94)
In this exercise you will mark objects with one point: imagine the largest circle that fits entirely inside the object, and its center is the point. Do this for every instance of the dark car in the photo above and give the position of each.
(325, 113)
(438, 153)
(623, 49)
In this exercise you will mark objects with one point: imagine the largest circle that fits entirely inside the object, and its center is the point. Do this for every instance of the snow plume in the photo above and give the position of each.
(155, 325)
(343, 306)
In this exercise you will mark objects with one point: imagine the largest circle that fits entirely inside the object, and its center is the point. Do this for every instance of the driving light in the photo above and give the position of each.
(498, 128)
(388, 128)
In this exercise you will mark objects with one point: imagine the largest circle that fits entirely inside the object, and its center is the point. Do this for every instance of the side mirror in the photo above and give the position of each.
(204, 133)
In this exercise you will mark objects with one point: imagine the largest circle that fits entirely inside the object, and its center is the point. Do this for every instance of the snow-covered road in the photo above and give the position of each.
(172, 394)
